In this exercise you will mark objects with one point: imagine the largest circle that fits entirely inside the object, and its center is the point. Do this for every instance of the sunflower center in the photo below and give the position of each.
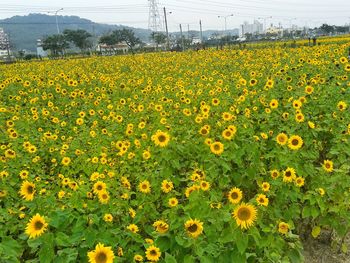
(234, 195)
(144, 186)
(30, 189)
(153, 252)
(288, 174)
(38, 225)
(244, 214)
(101, 257)
(161, 138)
(193, 228)
(216, 147)
(328, 165)
(295, 142)
(99, 187)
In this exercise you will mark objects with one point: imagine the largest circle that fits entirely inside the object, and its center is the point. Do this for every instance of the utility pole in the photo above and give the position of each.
(201, 32)
(225, 17)
(166, 28)
(182, 39)
(8, 48)
(58, 29)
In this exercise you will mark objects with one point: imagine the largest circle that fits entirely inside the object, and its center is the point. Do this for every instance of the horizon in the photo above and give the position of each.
(188, 13)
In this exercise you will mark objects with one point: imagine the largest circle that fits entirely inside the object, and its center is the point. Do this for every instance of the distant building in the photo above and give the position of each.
(255, 28)
(110, 49)
(40, 52)
(4, 44)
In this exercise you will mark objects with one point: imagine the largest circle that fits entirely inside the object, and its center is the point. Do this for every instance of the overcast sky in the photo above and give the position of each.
(188, 12)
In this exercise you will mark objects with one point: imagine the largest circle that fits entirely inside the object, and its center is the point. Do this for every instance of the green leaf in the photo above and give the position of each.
(46, 252)
(169, 258)
(189, 259)
(295, 256)
(10, 248)
(316, 230)
(344, 248)
(242, 242)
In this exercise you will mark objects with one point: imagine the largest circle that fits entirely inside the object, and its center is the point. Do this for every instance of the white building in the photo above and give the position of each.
(4, 43)
(40, 52)
(255, 28)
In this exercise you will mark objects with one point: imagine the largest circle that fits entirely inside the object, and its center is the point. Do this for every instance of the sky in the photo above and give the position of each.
(212, 13)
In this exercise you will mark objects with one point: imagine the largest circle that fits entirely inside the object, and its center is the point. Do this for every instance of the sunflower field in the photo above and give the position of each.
(231, 155)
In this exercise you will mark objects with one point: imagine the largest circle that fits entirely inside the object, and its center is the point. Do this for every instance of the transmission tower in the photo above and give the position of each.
(154, 19)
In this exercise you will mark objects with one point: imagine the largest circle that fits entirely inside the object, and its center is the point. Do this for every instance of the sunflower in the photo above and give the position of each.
(153, 253)
(194, 227)
(289, 175)
(161, 226)
(138, 258)
(66, 161)
(282, 138)
(108, 218)
(262, 200)
(328, 166)
(145, 187)
(265, 186)
(99, 187)
(101, 254)
(204, 185)
(235, 195)
(167, 186)
(217, 148)
(274, 104)
(227, 134)
(283, 228)
(27, 190)
(245, 215)
(309, 89)
(299, 181)
(173, 202)
(342, 105)
(299, 117)
(133, 228)
(103, 197)
(295, 142)
(36, 226)
(161, 138)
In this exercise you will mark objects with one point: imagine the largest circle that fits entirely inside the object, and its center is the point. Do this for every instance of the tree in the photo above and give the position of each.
(80, 38)
(158, 37)
(327, 28)
(123, 35)
(56, 44)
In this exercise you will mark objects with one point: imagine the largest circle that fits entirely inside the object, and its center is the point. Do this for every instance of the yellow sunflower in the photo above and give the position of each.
(245, 215)
(262, 200)
(295, 142)
(145, 187)
(101, 254)
(167, 186)
(235, 195)
(27, 190)
(283, 228)
(99, 187)
(173, 202)
(328, 166)
(161, 138)
(289, 175)
(282, 138)
(194, 227)
(153, 253)
(36, 226)
(133, 228)
(161, 226)
(217, 148)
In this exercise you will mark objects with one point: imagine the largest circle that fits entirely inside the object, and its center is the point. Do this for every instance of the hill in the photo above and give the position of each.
(25, 30)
